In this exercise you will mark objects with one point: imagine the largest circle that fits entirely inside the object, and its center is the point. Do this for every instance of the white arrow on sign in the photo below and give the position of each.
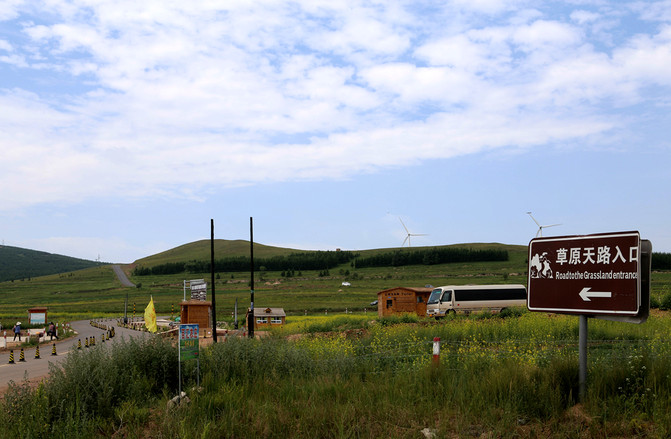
(587, 295)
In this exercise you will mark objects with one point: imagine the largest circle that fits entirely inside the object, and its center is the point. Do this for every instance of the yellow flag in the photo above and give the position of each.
(150, 316)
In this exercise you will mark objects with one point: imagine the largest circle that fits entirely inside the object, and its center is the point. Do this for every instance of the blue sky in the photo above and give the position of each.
(126, 126)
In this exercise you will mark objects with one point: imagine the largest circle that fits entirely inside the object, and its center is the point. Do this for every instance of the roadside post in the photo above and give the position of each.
(250, 316)
(188, 349)
(604, 276)
(214, 303)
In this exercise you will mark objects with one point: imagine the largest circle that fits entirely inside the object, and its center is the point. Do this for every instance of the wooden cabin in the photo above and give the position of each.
(267, 317)
(401, 300)
(197, 311)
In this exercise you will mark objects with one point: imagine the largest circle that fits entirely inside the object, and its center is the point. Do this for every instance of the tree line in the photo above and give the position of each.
(430, 257)
(19, 263)
(325, 260)
(318, 260)
(661, 261)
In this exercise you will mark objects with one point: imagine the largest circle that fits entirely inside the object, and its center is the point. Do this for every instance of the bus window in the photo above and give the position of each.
(435, 296)
(447, 297)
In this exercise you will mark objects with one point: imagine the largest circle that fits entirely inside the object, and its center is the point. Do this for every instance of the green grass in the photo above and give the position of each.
(95, 292)
(200, 251)
(498, 377)
(331, 374)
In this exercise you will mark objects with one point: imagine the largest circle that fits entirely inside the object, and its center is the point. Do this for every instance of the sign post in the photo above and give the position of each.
(188, 349)
(604, 275)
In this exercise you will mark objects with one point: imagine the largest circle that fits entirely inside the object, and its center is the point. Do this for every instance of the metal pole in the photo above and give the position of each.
(179, 360)
(582, 347)
(214, 303)
(236, 313)
(250, 319)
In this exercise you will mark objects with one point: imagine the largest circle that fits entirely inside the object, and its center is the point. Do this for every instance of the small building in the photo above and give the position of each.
(37, 315)
(401, 300)
(267, 317)
(197, 311)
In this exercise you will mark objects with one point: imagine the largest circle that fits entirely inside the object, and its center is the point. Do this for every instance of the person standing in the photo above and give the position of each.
(52, 331)
(17, 331)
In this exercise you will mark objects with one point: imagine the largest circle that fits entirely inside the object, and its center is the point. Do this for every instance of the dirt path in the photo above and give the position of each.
(122, 276)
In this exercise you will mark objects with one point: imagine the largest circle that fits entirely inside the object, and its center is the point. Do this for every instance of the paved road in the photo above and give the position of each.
(122, 276)
(34, 368)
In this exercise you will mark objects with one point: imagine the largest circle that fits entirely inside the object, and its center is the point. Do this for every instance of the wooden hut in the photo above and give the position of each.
(267, 317)
(197, 311)
(402, 300)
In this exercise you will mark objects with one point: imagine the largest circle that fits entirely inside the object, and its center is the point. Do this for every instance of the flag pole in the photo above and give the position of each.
(251, 319)
(214, 304)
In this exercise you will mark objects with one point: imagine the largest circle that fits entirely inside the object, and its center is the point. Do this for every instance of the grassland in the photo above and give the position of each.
(498, 377)
(340, 375)
(95, 292)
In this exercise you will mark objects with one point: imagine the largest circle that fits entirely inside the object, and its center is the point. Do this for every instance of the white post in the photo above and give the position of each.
(436, 351)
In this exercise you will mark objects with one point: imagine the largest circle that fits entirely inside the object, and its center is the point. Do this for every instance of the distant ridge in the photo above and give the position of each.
(19, 263)
(200, 251)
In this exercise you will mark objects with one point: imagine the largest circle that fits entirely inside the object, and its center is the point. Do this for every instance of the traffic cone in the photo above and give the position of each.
(108, 336)
(79, 344)
(11, 357)
(22, 356)
(86, 345)
(53, 349)
(37, 352)
(93, 340)
(103, 337)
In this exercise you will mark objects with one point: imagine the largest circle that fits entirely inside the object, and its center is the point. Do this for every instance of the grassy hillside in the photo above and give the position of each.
(200, 251)
(20, 263)
(95, 292)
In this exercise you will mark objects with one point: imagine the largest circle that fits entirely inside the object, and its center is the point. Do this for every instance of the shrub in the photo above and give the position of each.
(515, 311)
(665, 304)
(398, 319)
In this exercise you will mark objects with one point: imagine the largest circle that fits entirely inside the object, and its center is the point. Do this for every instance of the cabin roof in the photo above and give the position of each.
(423, 290)
(268, 312)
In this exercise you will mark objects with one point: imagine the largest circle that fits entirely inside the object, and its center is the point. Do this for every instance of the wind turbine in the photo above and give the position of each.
(540, 228)
(407, 238)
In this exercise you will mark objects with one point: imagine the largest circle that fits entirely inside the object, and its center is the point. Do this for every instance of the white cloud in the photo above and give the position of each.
(9, 9)
(582, 16)
(174, 98)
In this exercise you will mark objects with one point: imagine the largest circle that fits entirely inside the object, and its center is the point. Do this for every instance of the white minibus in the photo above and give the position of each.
(470, 298)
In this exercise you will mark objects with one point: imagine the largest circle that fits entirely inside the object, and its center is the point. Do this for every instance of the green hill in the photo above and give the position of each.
(200, 251)
(20, 263)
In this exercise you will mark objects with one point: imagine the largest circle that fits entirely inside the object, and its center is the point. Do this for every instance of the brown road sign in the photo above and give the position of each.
(593, 274)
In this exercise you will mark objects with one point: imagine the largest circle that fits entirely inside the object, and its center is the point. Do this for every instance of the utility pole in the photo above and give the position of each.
(214, 304)
(125, 310)
(250, 318)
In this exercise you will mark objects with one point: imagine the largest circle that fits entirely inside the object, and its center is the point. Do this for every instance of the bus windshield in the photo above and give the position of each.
(434, 297)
